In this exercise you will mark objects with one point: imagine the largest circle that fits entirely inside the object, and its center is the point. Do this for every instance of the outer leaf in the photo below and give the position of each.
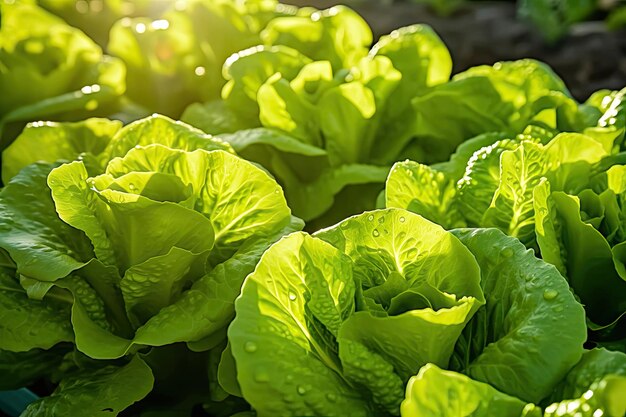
(50, 142)
(29, 224)
(105, 392)
(28, 324)
(437, 393)
(531, 327)
(585, 256)
(295, 282)
(594, 365)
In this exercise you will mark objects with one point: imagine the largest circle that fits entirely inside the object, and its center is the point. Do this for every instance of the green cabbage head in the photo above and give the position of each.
(145, 243)
(51, 71)
(335, 324)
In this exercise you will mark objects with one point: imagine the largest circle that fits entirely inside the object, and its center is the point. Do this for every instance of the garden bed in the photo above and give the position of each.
(314, 221)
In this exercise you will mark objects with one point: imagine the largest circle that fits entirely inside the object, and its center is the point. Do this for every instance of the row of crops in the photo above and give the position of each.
(244, 208)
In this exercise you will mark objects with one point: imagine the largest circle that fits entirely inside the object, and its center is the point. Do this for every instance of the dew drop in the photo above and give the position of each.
(262, 377)
(250, 347)
(331, 397)
(292, 296)
(370, 217)
(550, 295)
(402, 219)
(301, 390)
(132, 187)
(507, 252)
(381, 219)
(375, 233)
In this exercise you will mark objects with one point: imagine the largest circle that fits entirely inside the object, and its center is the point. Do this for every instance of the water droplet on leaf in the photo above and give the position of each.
(550, 295)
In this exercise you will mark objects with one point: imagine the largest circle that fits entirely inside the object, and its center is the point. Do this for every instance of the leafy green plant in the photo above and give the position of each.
(143, 240)
(357, 309)
(176, 59)
(96, 17)
(328, 130)
(553, 191)
(148, 270)
(49, 70)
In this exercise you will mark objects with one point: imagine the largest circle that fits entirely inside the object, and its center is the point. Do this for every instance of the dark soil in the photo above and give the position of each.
(590, 58)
